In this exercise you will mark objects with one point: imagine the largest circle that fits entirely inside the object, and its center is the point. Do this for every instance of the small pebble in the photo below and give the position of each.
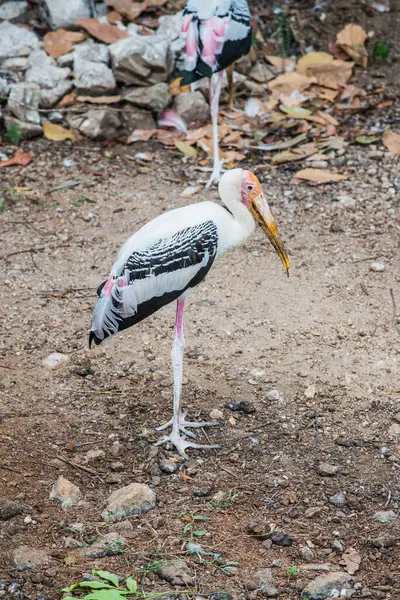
(327, 470)
(55, 360)
(117, 466)
(168, 466)
(306, 554)
(377, 267)
(216, 414)
(243, 406)
(281, 539)
(385, 516)
(339, 500)
(202, 492)
(384, 541)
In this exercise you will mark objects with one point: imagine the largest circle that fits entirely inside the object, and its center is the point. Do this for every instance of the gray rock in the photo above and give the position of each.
(23, 102)
(377, 267)
(66, 60)
(12, 9)
(49, 98)
(9, 509)
(25, 557)
(203, 492)
(93, 77)
(327, 470)
(18, 63)
(134, 499)
(385, 516)
(168, 466)
(281, 539)
(16, 41)
(117, 466)
(220, 595)
(261, 73)
(394, 430)
(55, 360)
(96, 123)
(28, 130)
(384, 541)
(155, 97)
(39, 58)
(274, 396)
(192, 106)
(66, 492)
(142, 59)
(339, 500)
(170, 27)
(94, 455)
(46, 75)
(92, 51)
(263, 580)
(110, 544)
(114, 479)
(305, 553)
(137, 118)
(121, 526)
(335, 585)
(64, 14)
(176, 572)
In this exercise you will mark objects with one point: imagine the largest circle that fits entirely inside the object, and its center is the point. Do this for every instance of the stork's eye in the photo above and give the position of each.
(250, 188)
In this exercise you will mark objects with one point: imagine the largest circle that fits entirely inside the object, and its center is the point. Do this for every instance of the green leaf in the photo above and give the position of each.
(67, 185)
(1, 206)
(296, 111)
(111, 594)
(380, 51)
(131, 584)
(200, 532)
(187, 528)
(367, 139)
(107, 576)
(69, 589)
(185, 148)
(200, 518)
(96, 585)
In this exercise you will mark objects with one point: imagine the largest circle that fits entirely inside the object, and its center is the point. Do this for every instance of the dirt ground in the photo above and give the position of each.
(325, 339)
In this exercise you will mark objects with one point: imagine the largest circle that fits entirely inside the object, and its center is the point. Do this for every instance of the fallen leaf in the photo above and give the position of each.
(56, 133)
(128, 9)
(351, 40)
(20, 158)
(391, 141)
(167, 138)
(336, 51)
(327, 117)
(102, 31)
(314, 58)
(293, 155)
(67, 100)
(141, 135)
(60, 42)
(319, 176)
(351, 91)
(281, 63)
(185, 478)
(296, 111)
(99, 99)
(185, 148)
(325, 70)
(351, 561)
(70, 559)
(114, 17)
(287, 82)
(176, 89)
(367, 139)
(190, 191)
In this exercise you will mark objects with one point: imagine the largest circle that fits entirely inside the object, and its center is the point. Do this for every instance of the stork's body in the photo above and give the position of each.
(217, 33)
(172, 254)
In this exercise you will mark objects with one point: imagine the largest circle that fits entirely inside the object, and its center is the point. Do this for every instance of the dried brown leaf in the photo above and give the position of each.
(102, 31)
(20, 158)
(319, 176)
(56, 133)
(281, 63)
(391, 141)
(60, 42)
(141, 135)
(128, 9)
(289, 82)
(351, 40)
(351, 561)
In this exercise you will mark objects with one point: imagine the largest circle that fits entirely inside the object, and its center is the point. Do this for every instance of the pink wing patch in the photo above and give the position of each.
(191, 36)
(212, 35)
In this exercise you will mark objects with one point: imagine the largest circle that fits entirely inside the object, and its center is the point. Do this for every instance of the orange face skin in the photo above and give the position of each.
(254, 200)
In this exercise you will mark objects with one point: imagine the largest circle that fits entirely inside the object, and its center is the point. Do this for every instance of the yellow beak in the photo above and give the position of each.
(262, 215)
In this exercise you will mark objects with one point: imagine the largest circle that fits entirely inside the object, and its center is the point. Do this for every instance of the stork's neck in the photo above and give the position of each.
(239, 224)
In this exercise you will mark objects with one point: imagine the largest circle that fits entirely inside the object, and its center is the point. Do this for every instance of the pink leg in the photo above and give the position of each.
(178, 420)
(215, 91)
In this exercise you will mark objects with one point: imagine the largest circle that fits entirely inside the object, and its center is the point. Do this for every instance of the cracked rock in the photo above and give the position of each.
(93, 77)
(176, 572)
(155, 97)
(12, 9)
(385, 516)
(92, 51)
(66, 492)
(27, 130)
(192, 106)
(24, 558)
(133, 499)
(142, 59)
(110, 544)
(100, 123)
(331, 585)
(63, 14)
(23, 102)
(9, 509)
(49, 98)
(46, 75)
(16, 41)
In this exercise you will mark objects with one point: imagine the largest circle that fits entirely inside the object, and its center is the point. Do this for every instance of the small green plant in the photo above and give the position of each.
(14, 133)
(193, 519)
(1, 205)
(228, 568)
(292, 572)
(223, 504)
(81, 201)
(380, 51)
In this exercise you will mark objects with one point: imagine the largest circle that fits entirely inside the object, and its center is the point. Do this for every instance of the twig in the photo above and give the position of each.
(10, 469)
(79, 467)
(395, 313)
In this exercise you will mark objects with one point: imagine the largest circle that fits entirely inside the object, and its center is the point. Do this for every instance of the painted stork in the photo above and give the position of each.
(171, 254)
(217, 33)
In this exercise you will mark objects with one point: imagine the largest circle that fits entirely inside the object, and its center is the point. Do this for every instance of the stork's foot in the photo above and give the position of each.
(181, 444)
(215, 176)
(183, 424)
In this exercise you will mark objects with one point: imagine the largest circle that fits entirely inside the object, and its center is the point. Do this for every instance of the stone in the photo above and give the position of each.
(259, 529)
(63, 14)
(25, 557)
(46, 75)
(141, 59)
(121, 526)
(55, 360)
(168, 466)
(327, 470)
(176, 572)
(261, 73)
(110, 544)
(262, 580)
(9, 509)
(347, 201)
(66, 492)
(394, 430)
(220, 595)
(305, 553)
(310, 391)
(94, 455)
(18, 63)
(49, 98)
(377, 267)
(117, 466)
(27, 130)
(274, 396)
(100, 123)
(23, 102)
(170, 27)
(114, 479)
(192, 106)
(216, 414)
(134, 499)
(93, 77)
(16, 41)
(281, 539)
(66, 60)
(155, 97)
(12, 9)
(203, 491)
(137, 118)
(339, 500)
(331, 585)
(385, 516)
(91, 51)
(383, 541)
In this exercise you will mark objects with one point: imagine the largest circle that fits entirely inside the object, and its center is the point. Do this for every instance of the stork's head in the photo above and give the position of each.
(247, 189)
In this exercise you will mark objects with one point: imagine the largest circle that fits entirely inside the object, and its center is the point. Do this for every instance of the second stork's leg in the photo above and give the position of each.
(229, 74)
(178, 420)
(215, 91)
